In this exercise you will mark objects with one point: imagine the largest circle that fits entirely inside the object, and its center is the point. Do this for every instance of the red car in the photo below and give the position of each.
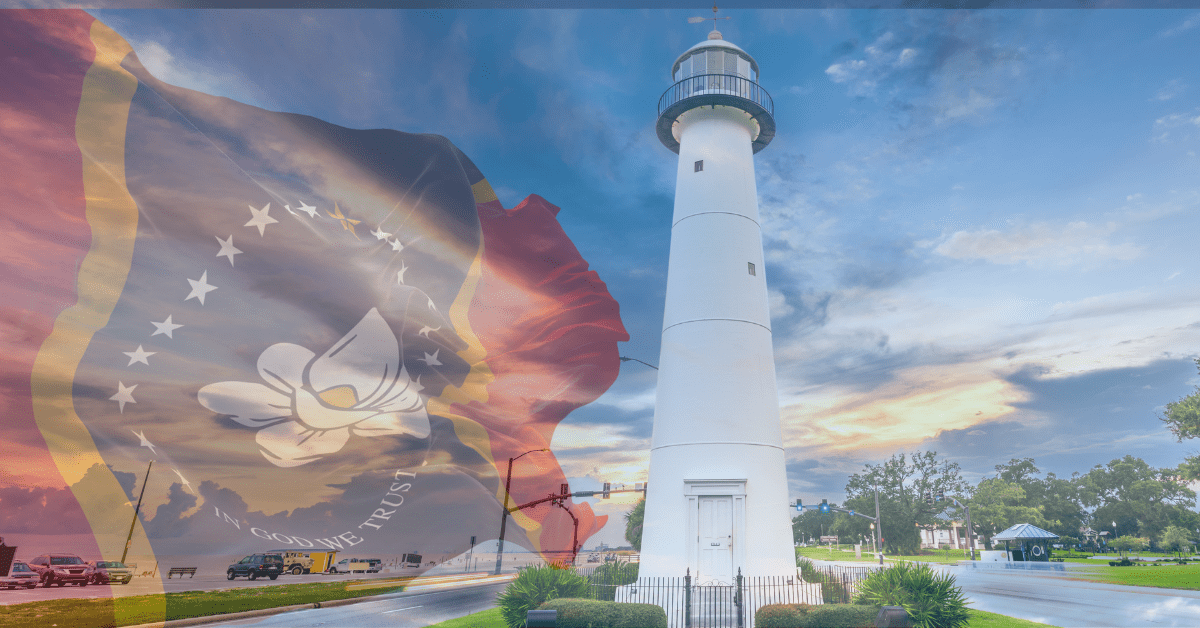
(60, 569)
(19, 576)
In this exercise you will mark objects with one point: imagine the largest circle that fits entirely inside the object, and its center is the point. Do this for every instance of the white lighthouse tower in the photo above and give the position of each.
(717, 497)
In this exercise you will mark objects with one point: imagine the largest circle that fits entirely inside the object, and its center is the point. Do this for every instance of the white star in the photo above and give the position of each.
(431, 305)
(308, 209)
(426, 329)
(416, 385)
(431, 360)
(138, 356)
(165, 327)
(145, 443)
(396, 245)
(400, 273)
(183, 480)
(227, 249)
(289, 210)
(125, 394)
(200, 288)
(380, 235)
(261, 219)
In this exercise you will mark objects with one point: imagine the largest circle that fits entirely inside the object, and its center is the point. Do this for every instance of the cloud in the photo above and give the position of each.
(1173, 88)
(1176, 127)
(935, 69)
(1073, 243)
(1187, 24)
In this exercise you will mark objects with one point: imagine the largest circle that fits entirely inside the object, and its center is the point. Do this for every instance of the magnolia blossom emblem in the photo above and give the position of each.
(310, 405)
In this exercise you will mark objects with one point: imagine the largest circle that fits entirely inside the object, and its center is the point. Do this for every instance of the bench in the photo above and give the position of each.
(181, 571)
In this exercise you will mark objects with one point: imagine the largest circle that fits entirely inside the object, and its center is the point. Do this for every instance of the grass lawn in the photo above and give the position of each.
(980, 619)
(1169, 576)
(928, 556)
(483, 619)
(100, 612)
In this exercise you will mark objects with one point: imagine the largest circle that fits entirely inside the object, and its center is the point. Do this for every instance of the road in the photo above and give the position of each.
(410, 609)
(1052, 595)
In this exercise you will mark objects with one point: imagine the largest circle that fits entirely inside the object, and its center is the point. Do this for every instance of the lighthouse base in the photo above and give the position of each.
(714, 509)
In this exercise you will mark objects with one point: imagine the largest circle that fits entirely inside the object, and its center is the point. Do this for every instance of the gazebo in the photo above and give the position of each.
(1028, 542)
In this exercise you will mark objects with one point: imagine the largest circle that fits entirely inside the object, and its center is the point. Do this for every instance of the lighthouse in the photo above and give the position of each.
(717, 495)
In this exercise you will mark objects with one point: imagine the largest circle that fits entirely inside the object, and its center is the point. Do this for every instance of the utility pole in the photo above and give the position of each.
(878, 524)
(129, 537)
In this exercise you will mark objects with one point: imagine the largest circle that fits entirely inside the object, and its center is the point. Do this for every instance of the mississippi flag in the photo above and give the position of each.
(323, 337)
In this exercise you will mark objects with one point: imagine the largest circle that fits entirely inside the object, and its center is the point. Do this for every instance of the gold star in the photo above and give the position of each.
(347, 223)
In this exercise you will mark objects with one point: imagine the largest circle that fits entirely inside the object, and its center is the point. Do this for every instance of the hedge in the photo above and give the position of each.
(822, 616)
(579, 613)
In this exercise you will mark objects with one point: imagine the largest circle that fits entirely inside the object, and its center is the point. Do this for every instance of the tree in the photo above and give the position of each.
(1183, 419)
(1175, 539)
(1141, 499)
(1125, 544)
(633, 524)
(997, 504)
(903, 483)
(1056, 499)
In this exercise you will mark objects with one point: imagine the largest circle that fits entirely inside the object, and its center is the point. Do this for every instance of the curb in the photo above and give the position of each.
(279, 610)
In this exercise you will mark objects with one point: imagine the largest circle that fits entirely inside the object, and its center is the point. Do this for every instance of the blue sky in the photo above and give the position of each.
(979, 225)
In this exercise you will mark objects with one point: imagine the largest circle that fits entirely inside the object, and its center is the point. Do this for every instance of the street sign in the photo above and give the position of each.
(829, 539)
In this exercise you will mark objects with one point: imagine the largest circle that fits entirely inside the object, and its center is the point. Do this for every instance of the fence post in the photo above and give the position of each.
(687, 599)
(737, 598)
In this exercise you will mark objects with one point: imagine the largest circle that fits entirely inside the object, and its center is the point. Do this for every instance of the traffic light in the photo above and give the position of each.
(607, 488)
(799, 505)
(941, 495)
(564, 489)
(929, 498)
(824, 506)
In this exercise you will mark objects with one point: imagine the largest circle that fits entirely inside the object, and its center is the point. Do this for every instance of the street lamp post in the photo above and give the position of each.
(504, 515)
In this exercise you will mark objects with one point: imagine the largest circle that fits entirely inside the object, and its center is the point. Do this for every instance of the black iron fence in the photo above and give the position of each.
(726, 84)
(693, 604)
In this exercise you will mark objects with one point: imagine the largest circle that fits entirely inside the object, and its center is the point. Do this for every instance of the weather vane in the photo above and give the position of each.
(714, 18)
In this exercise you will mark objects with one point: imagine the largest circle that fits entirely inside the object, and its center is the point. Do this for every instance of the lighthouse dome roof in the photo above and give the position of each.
(714, 44)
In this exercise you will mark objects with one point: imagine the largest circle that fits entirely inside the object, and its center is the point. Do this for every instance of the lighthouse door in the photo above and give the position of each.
(715, 538)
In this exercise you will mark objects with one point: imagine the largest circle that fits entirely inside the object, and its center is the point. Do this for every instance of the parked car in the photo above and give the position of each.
(109, 571)
(375, 565)
(255, 565)
(20, 575)
(295, 561)
(60, 569)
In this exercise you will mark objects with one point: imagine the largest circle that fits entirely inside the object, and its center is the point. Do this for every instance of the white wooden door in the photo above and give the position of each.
(715, 540)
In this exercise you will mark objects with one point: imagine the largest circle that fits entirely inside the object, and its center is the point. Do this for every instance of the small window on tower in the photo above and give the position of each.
(750, 267)
(700, 166)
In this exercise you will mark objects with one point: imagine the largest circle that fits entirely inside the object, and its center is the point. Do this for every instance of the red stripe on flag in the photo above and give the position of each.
(550, 328)
(46, 54)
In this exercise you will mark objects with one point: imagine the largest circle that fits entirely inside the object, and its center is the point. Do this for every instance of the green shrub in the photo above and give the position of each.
(842, 616)
(609, 576)
(931, 599)
(535, 585)
(575, 613)
(823, 616)
(780, 615)
(1124, 562)
(807, 569)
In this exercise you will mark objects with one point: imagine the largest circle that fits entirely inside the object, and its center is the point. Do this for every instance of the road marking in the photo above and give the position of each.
(399, 609)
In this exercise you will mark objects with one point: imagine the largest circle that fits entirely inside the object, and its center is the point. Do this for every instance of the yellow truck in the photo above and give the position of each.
(350, 565)
(297, 562)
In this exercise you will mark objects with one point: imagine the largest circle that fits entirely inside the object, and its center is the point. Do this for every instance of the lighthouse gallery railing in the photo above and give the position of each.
(706, 84)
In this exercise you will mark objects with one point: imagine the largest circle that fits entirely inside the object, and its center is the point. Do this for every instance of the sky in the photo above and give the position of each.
(978, 225)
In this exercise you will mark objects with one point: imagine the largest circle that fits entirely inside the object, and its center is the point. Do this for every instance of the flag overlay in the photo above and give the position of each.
(322, 336)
